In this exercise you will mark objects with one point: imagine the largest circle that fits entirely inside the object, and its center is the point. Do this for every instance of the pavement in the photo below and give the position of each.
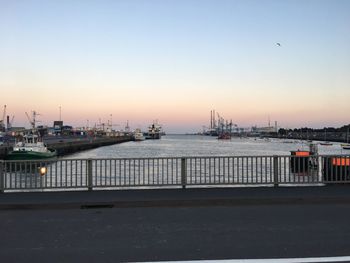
(176, 224)
(338, 194)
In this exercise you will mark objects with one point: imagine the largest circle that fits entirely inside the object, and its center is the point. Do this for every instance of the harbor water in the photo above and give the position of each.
(197, 145)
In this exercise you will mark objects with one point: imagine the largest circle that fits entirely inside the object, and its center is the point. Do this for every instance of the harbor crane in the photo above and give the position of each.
(32, 120)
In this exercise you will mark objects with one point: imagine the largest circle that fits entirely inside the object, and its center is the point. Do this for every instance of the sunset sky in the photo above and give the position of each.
(175, 60)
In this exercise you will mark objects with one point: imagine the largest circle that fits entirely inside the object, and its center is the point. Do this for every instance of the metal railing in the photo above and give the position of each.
(89, 174)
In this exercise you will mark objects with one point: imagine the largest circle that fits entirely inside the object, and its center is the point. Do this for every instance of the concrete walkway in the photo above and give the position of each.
(177, 197)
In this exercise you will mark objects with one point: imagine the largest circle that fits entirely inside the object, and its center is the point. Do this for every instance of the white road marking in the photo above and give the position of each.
(270, 260)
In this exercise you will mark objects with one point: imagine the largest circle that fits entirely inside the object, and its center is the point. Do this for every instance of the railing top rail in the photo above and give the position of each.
(173, 158)
(211, 157)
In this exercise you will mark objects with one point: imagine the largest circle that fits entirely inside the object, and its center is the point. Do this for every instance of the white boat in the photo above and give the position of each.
(154, 131)
(138, 135)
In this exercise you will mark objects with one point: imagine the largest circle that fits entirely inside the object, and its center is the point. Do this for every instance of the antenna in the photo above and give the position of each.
(60, 114)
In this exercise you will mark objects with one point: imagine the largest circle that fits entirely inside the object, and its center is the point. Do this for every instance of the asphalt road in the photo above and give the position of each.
(176, 233)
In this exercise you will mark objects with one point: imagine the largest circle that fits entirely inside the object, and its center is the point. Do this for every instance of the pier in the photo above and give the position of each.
(69, 146)
(72, 144)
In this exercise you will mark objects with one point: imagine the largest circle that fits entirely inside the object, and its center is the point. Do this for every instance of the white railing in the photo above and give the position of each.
(89, 174)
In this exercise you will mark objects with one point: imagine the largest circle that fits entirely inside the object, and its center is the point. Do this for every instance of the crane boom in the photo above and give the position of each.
(30, 120)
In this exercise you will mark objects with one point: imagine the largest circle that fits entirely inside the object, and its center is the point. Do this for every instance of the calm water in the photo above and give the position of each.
(195, 145)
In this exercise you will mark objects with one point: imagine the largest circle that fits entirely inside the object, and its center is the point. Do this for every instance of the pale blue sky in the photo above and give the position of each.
(178, 60)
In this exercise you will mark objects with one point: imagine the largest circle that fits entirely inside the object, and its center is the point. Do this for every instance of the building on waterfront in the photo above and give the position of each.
(265, 130)
(57, 125)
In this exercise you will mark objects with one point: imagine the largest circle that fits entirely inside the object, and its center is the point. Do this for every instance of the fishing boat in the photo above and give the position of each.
(138, 135)
(31, 147)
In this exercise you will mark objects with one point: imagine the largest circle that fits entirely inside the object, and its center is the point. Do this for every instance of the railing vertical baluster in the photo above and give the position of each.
(120, 172)
(134, 171)
(183, 172)
(124, 172)
(2, 177)
(346, 171)
(56, 184)
(99, 174)
(109, 172)
(89, 175)
(242, 171)
(275, 171)
(248, 178)
(139, 172)
(115, 172)
(206, 175)
(148, 180)
(195, 170)
(170, 171)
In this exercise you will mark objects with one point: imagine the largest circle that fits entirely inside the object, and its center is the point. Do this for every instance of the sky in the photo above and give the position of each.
(176, 60)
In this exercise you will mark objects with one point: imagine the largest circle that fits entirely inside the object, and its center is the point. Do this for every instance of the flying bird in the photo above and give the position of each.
(278, 44)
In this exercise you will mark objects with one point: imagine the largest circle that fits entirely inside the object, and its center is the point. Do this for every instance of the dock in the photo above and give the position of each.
(65, 147)
(69, 145)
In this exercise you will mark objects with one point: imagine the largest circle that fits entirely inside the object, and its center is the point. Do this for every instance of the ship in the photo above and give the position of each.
(31, 146)
(154, 131)
(138, 135)
(224, 136)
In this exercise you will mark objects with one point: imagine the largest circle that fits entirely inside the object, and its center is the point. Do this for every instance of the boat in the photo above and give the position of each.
(154, 131)
(31, 147)
(326, 143)
(286, 141)
(346, 147)
(138, 135)
(224, 136)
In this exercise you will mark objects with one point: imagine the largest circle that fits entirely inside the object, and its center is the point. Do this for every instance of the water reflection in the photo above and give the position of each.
(193, 145)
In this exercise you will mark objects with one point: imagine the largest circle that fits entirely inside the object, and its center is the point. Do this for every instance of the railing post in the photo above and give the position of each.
(183, 173)
(89, 174)
(275, 171)
(2, 177)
